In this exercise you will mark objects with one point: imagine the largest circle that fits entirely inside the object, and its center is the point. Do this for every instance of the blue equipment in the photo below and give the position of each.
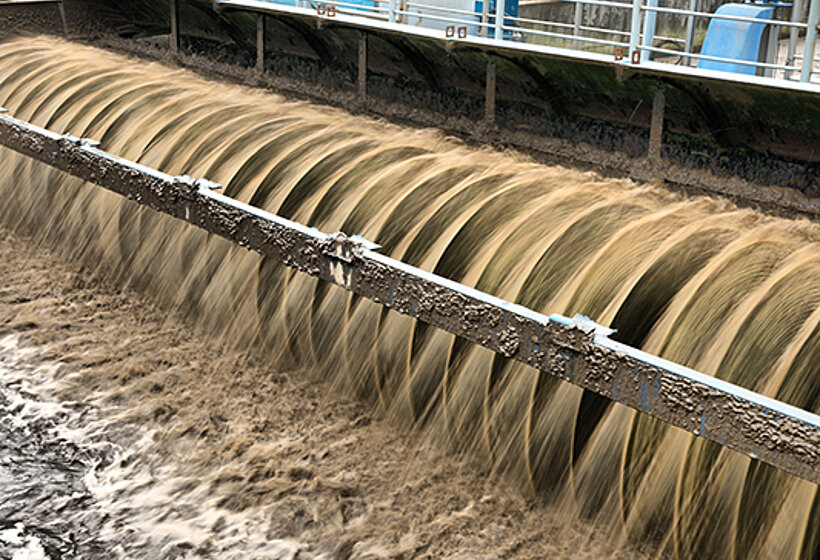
(739, 40)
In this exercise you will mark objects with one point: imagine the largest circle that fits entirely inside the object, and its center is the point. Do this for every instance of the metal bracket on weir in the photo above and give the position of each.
(85, 142)
(341, 252)
(585, 324)
(576, 350)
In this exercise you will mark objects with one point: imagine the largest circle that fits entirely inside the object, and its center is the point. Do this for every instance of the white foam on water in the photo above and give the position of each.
(30, 546)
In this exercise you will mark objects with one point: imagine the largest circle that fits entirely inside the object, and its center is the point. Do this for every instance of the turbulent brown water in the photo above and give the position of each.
(729, 292)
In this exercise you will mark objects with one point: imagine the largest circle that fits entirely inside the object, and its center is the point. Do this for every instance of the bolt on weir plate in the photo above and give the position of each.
(575, 349)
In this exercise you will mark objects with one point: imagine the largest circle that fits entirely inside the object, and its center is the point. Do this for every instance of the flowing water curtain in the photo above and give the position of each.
(730, 292)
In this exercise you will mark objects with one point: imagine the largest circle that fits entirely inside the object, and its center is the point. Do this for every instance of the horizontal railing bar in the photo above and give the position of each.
(719, 58)
(538, 22)
(602, 3)
(564, 36)
(442, 18)
(441, 9)
(678, 11)
(357, 7)
(574, 350)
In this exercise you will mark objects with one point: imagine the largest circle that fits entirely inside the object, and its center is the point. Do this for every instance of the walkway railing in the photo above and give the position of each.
(788, 45)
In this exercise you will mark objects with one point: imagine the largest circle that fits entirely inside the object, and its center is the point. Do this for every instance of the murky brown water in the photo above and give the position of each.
(126, 434)
(728, 292)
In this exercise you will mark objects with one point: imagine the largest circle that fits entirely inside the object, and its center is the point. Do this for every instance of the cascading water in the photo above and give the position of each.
(729, 292)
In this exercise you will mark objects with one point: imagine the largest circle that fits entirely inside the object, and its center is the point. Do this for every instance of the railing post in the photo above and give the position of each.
(690, 32)
(649, 29)
(174, 26)
(391, 11)
(771, 50)
(260, 42)
(635, 29)
(576, 23)
(500, 13)
(811, 39)
(485, 18)
(797, 12)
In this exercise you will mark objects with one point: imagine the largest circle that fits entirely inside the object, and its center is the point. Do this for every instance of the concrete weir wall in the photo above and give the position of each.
(576, 351)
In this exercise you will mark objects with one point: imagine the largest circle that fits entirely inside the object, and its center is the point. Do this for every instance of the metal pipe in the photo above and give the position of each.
(649, 28)
(771, 49)
(635, 32)
(575, 350)
(500, 13)
(485, 18)
(576, 24)
(797, 13)
(722, 59)
(690, 33)
(811, 39)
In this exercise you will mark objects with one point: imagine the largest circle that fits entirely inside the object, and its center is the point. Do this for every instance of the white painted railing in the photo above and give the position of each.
(789, 61)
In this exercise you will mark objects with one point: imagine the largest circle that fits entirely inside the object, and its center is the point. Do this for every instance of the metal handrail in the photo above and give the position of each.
(678, 11)
(720, 58)
(442, 18)
(606, 42)
(440, 9)
(601, 3)
(538, 21)
(640, 33)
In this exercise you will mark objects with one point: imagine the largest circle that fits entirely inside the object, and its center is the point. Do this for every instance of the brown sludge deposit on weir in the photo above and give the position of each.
(699, 282)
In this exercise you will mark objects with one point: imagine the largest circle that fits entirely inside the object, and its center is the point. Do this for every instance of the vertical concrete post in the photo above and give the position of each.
(363, 68)
(656, 126)
(174, 26)
(260, 42)
(63, 18)
(489, 98)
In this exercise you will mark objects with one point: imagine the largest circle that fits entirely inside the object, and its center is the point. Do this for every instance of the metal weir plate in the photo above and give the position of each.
(576, 350)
